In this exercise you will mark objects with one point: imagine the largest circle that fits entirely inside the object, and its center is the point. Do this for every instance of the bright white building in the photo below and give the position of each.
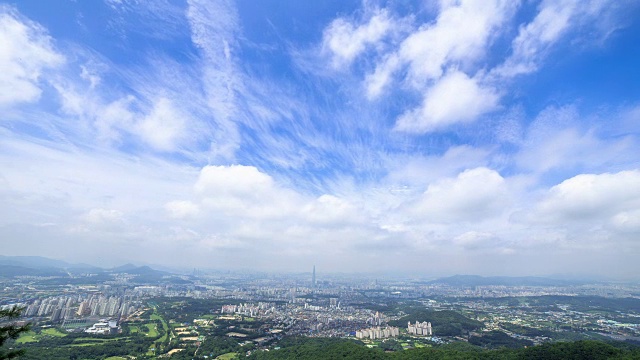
(419, 328)
(378, 333)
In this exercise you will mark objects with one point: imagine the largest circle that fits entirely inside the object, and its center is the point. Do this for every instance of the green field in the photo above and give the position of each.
(227, 356)
(153, 332)
(53, 332)
(155, 316)
(98, 340)
(27, 337)
(92, 341)
(31, 336)
(116, 358)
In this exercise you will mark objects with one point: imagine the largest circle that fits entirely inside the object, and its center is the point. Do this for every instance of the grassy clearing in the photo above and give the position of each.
(27, 337)
(53, 332)
(31, 336)
(153, 331)
(115, 358)
(93, 342)
(98, 340)
(227, 356)
(155, 316)
(133, 329)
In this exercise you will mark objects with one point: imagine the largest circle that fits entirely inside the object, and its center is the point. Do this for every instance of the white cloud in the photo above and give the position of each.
(110, 119)
(329, 210)
(453, 99)
(164, 127)
(98, 216)
(554, 19)
(57, 175)
(243, 192)
(91, 75)
(458, 37)
(474, 195)
(101, 220)
(214, 28)
(233, 180)
(156, 122)
(181, 209)
(418, 171)
(346, 41)
(627, 221)
(558, 138)
(326, 182)
(26, 52)
(592, 197)
(473, 240)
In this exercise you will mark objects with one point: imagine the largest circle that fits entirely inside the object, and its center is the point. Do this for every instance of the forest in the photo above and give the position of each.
(306, 348)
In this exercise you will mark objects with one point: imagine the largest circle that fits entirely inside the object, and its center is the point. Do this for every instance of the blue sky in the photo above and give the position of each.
(489, 137)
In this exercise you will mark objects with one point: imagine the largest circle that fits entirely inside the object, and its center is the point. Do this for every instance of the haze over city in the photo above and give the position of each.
(425, 138)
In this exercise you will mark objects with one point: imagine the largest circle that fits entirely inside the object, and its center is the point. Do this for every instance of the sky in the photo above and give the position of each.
(428, 138)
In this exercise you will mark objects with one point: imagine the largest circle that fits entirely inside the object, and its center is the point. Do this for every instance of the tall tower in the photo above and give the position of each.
(313, 278)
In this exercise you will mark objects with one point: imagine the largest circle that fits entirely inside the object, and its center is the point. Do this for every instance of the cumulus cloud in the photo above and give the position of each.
(27, 50)
(240, 206)
(454, 98)
(458, 37)
(330, 210)
(589, 197)
(418, 171)
(322, 176)
(473, 195)
(161, 125)
(449, 56)
(346, 41)
(235, 179)
(627, 221)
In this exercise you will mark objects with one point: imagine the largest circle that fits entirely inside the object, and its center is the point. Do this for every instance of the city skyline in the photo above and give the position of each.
(439, 138)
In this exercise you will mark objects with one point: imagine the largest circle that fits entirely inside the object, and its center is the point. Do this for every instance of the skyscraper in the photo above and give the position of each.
(313, 278)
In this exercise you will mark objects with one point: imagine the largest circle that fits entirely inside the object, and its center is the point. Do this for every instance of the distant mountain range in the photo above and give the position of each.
(11, 266)
(39, 262)
(476, 280)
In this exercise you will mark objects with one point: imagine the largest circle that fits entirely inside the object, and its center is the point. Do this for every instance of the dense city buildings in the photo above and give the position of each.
(178, 313)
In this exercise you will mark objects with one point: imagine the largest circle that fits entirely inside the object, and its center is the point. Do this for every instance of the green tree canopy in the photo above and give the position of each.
(9, 330)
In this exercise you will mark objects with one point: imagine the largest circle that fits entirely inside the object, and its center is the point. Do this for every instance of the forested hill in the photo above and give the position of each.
(445, 323)
(308, 348)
